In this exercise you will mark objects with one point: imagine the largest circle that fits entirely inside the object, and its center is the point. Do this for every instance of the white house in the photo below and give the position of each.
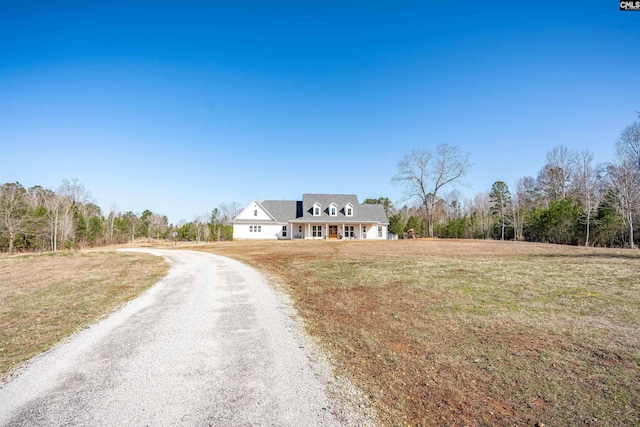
(316, 216)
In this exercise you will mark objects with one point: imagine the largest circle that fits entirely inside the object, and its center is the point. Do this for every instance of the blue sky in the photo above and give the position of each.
(177, 107)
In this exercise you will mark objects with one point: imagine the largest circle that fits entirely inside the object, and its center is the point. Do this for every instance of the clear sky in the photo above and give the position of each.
(177, 107)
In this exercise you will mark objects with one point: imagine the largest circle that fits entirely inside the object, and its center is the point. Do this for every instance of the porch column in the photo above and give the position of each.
(360, 236)
(326, 231)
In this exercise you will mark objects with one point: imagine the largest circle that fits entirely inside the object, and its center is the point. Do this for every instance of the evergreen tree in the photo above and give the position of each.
(396, 225)
(414, 224)
(500, 201)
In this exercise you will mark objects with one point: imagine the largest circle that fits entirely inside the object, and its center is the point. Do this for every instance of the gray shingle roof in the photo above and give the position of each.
(370, 213)
(286, 210)
(281, 210)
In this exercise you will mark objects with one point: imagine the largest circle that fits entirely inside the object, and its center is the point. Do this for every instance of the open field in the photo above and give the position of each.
(435, 332)
(47, 297)
(444, 332)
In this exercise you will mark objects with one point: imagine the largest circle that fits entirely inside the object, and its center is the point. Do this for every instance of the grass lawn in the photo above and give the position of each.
(47, 297)
(455, 332)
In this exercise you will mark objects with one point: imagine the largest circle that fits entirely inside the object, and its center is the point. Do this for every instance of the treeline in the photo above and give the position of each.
(41, 219)
(573, 200)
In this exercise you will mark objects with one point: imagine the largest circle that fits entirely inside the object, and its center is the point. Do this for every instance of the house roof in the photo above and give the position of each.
(282, 210)
(287, 210)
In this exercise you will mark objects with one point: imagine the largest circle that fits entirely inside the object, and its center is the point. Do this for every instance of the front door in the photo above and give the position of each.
(333, 231)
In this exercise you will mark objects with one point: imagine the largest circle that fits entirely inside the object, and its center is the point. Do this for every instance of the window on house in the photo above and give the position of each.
(316, 211)
(316, 231)
(349, 212)
(348, 231)
(255, 212)
(333, 211)
(284, 231)
(380, 232)
(300, 229)
(251, 229)
(259, 228)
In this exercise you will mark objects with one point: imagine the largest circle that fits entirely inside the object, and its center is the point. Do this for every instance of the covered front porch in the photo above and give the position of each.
(327, 230)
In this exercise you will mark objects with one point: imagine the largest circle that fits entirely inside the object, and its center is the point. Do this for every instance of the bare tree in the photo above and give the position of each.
(453, 204)
(13, 209)
(197, 225)
(66, 224)
(517, 219)
(523, 201)
(157, 225)
(89, 211)
(113, 214)
(526, 192)
(625, 180)
(628, 146)
(482, 207)
(424, 173)
(556, 176)
(214, 218)
(230, 211)
(75, 191)
(133, 222)
(71, 194)
(53, 203)
(625, 175)
(588, 180)
(203, 230)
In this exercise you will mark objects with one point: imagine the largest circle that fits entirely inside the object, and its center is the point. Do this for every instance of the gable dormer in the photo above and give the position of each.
(348, 209)
(333, 209)
(316, 209)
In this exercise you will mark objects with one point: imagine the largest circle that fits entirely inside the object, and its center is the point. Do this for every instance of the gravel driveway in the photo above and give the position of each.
(210, 344)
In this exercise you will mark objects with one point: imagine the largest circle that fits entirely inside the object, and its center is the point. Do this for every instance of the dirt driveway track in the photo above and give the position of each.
(210, 344)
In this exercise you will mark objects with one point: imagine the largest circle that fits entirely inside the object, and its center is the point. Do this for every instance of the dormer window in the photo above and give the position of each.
(316, 209)
(348, 210)
(333, 209)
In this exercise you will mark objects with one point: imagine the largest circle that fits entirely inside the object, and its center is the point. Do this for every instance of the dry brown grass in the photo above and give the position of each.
(45, 298)
(451, 332)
